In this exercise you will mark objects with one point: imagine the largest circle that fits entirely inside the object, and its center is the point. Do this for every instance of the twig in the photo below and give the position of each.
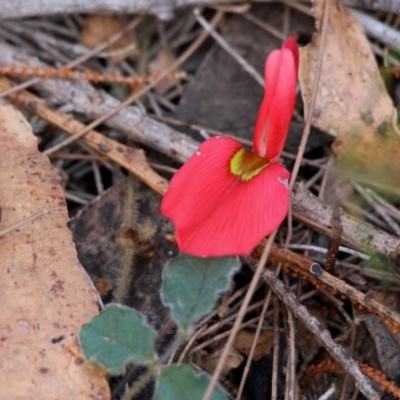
(228, 48)
(323, 336)
(336, 237)
(253, 346)
(87, 74)
(379, 377)
(76, 199)
(307, 126)
(390, 209)
(379, 209)
(212, 314)
(219, 337)
(275, 365)
(352, 344)
(291, 356)
(23, 222)
(328, 393)
(97, 177)
(226, 320)
(163, 9)
(378, 30)
(263, 25)
(313, 272)
(391, 318)
(189, 344)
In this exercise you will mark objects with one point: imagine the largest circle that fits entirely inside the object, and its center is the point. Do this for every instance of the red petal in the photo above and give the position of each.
(277, 107)
(216, 213)
(292, 46)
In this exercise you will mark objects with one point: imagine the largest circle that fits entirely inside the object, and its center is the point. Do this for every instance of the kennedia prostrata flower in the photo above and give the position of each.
(225, 199)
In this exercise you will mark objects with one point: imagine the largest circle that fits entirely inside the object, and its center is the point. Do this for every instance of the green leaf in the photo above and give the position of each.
(115, 337)
(192, 285)
(180, 382)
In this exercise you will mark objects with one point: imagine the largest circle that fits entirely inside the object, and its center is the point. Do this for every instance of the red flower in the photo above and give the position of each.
(224, 200)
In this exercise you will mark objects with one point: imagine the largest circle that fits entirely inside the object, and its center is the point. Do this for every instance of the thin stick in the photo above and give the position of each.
(218, 325)
(253, 345)
(212, 314)
(239, 319)
(23, 221)
(219, 337)
(352, 345)
(189, 344)
(134, 96)
(263, 25)
(378, 208)
(328, 393)
(275, 365)
(307, 126)
(291, 357)
(228, 48)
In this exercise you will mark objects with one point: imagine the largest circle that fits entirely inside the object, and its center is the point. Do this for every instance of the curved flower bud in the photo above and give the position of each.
(277, 107)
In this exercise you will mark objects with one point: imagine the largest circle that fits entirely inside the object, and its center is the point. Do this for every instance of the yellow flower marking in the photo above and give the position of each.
(247, 164)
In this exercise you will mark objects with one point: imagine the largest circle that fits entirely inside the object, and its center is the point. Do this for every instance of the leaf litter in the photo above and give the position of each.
(96, 227)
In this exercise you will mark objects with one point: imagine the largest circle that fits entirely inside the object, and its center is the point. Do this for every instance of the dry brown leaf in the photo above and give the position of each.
(244, 341)
(99, 28)
(103, 287)
(352, 102)
(45, 294)
(387, 343)
(233, 360)
(163, 61)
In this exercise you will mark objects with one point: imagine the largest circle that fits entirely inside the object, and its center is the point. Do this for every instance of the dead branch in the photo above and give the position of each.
(163, 9)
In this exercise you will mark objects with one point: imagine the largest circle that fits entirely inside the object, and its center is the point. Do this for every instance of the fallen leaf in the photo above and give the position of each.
(233, 360)
(352, 102)
(99, 28)
(244, 340)
(387, 343)
(95, 229)
(46, 295)
(162, 62)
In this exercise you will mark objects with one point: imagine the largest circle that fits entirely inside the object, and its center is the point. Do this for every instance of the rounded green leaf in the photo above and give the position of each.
(180, 382)
(115, 337)
(192, 285)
